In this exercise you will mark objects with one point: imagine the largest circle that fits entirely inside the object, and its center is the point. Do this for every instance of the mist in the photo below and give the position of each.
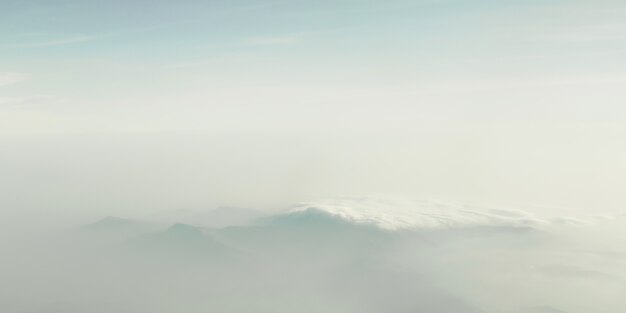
(350, 254)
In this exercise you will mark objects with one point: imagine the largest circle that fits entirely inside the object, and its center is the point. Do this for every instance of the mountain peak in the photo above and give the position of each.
(110, 223)
(184, 231)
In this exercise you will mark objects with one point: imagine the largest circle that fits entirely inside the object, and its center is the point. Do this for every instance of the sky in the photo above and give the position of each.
(142, 104)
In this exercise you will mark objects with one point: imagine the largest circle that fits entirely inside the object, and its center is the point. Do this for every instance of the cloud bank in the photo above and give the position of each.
(343, 255)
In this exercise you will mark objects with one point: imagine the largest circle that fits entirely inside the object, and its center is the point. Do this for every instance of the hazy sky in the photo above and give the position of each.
(139, 103)
(152, 65)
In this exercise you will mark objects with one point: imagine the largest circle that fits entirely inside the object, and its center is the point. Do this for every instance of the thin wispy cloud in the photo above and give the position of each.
(9, 78)
(48, 43)
(591, 33)
(33, 100)
(272, 40)
(513, 83)
(45, 40)
(573, 54)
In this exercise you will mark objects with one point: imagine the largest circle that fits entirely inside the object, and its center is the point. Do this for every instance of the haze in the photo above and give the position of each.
(349, 156)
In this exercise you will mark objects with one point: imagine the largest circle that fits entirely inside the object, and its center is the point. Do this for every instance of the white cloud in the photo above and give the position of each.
(416, 215)
(8, 78)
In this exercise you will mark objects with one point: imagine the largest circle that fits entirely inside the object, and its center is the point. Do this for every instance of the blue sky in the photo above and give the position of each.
(305, 60)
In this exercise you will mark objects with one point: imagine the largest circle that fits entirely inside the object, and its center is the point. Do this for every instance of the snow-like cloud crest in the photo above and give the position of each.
(393, 214)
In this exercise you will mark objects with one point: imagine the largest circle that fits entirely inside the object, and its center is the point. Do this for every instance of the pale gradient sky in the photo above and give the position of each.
(71, 64)
(488, 100)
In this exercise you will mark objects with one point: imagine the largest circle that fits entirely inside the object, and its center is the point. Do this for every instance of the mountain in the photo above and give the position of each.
(541, 309)
(110, 223)
(111, 230)
(180, 241)
(215, 218)
(396, 215)
(224, 217)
